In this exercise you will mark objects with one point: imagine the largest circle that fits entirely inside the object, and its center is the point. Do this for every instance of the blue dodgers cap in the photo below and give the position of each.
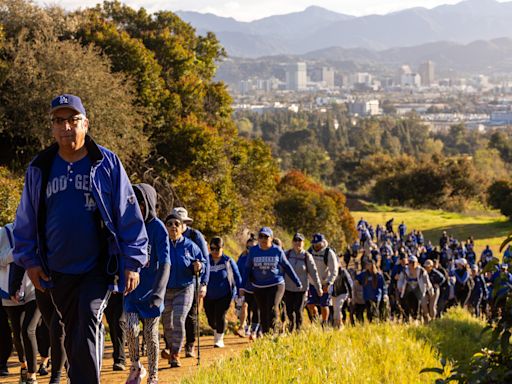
(68, 101)
(266, 231)
(317, 238)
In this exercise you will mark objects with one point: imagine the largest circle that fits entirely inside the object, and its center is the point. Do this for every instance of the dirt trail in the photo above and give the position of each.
(167, 375)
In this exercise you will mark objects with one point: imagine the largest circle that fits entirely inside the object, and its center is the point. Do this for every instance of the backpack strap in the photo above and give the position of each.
(9, 236)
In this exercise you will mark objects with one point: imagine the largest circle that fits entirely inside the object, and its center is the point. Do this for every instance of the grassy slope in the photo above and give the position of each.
(485, 228)
(377, 353)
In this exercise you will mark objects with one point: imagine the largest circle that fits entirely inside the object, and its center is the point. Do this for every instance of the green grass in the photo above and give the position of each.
(376, 353)
(486, 228)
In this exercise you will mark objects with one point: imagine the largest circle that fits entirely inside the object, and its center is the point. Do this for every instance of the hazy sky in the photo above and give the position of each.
(246, 10)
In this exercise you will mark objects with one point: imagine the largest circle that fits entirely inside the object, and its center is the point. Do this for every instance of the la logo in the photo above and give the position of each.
(63, 100)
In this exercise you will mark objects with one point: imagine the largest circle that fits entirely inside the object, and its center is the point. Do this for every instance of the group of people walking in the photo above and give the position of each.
(85, 242)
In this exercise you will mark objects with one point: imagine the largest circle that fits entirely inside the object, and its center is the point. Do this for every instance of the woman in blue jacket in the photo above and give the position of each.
(146, 302)
(222, 286)
(265, 268)
(373, 289)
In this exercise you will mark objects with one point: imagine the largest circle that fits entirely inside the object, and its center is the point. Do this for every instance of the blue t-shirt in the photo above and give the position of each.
(72, 231)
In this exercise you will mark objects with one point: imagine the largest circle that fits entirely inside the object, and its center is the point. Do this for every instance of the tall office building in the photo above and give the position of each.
(296, 76)
(427, 73)
(328, 77)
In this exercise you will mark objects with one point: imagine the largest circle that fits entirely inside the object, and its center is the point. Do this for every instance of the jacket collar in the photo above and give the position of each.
(45, 158)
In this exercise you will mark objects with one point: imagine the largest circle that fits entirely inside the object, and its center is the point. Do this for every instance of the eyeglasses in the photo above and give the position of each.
(72, 121)
(262, 236)
(214, 249)
(173, 223)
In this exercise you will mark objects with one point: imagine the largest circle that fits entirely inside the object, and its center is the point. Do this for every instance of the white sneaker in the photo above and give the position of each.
(219, 342)
(137, 373)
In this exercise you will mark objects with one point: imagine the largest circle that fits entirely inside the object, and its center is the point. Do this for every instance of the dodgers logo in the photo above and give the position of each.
(90, 204)
(63, 100)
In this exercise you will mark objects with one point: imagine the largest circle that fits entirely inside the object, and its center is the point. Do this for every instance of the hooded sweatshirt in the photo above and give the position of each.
(304, 266)
(147, 298)
(329, 271)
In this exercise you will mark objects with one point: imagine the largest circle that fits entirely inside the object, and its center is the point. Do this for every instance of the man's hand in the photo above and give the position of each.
(197, 267)
(202, 291)
(35, 274)
(325, 288)
(131, 281)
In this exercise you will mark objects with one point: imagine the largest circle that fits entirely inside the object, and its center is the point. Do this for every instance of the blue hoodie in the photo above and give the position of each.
(115, 199)
(242, 263)
(155, 274)
(183, 253)
(224, 278)
(371, 292)
(266, 268)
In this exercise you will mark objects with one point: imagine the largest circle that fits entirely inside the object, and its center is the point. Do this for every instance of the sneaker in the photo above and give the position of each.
(152, 380)
(43, 370)
(174, 361)
(189, 350)
(166, 355)
(241, 332)
(55, 379)
(137, 373)
(119, 367)
(219, 342)
(23, 376)
(31, 381)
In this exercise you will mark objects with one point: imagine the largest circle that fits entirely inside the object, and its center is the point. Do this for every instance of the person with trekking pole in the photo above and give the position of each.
(188, 262)
(197, 322)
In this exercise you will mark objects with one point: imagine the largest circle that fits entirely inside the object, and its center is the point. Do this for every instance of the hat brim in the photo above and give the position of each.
(65, 106)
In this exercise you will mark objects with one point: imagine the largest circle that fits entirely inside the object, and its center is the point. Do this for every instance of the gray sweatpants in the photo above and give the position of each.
(177, 305)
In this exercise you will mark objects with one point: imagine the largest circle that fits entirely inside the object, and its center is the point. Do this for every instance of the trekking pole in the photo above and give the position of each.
(197, 321)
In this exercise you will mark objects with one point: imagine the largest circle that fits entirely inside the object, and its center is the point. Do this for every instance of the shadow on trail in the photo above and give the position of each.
(456, 337)
(463, 231)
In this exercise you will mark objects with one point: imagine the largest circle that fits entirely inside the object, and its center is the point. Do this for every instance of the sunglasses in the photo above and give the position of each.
(173, 223)
(262, 236)
(297, 240)
(214, 249)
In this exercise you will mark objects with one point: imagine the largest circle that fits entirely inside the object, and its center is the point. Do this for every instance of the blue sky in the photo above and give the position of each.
(247, 10)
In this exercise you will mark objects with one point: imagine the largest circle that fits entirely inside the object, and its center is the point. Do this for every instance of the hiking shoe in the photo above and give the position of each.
(23, 376)
(55, 379)
(43, 370)
(175, 361)
(137, 373)
(153, 380)
(166, 355)
(241, 332)
(189, 350)
(119, 367)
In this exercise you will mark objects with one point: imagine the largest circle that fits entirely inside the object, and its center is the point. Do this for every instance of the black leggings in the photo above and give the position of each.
(294, 309)
(216, 312)
(24, 319)
(5, 338)
(253, 312)
(56, 331)
(268, 300)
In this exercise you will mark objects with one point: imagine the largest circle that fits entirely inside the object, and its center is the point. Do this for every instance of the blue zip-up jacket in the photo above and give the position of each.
(183, 253)
(112, 191)
(266, 268)
(197, 237)
(219, 284)
(369, 291)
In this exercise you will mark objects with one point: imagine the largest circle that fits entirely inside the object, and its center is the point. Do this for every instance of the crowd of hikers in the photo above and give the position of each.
(386, 274)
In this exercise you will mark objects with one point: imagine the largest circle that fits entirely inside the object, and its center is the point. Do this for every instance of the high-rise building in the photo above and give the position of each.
(296, 76)
(410, 80)
(328, 77)
(427, 73)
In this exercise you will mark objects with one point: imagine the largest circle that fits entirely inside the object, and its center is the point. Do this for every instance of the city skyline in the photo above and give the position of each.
(245, 10)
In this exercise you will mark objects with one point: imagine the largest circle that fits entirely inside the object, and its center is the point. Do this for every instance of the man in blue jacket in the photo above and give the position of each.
(78, 224)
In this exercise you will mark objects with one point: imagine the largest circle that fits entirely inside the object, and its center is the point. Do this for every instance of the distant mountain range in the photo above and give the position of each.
(316, 29)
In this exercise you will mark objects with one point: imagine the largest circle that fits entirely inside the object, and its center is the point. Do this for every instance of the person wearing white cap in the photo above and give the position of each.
(463, 282)
(413, 286)
(437, 279)
(191, 321)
